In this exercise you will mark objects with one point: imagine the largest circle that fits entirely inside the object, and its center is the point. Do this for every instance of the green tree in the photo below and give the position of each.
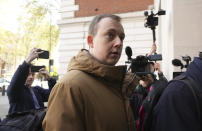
(35, 30)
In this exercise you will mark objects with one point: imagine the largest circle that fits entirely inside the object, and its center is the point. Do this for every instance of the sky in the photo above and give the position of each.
(9, 12)
(11, 9)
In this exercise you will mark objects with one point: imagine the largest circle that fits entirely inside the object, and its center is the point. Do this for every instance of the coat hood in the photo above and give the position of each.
(86, 63)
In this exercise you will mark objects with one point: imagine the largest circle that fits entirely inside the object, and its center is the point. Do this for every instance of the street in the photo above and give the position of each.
(4, 105)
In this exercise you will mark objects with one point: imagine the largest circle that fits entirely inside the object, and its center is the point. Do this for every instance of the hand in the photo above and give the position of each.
(153, 49)
(157, 67)
(45, 73)
(143, 83)
(34, 53)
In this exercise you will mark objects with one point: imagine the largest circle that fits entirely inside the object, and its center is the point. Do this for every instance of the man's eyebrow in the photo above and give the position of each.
(114, 30)
(111, 30)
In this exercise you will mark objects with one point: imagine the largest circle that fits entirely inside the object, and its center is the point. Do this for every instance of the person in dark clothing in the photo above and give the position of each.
(21, 95)
(176, 109)
(141, 91)
(156, 67)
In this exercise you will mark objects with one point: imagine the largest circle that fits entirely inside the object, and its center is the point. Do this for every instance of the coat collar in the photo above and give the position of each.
(86, 63)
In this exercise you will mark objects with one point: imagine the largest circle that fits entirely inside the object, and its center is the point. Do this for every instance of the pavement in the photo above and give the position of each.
(4, 105)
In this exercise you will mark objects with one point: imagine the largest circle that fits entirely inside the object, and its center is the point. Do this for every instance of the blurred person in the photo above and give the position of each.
(21, 95)
(177, 107)
(92, 96)
(148, 79)
(155, 66)
(145, 84)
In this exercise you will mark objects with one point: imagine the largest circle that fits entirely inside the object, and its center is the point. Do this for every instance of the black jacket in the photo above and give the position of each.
(20, 97)
(176, 109)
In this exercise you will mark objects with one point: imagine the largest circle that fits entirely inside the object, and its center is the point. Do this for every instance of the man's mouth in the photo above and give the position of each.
(115, 54)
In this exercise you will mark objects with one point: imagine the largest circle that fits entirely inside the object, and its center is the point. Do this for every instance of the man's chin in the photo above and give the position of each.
(112, 62)
(29, 84)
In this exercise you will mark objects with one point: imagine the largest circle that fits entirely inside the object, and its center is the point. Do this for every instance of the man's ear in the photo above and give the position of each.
(90, 41)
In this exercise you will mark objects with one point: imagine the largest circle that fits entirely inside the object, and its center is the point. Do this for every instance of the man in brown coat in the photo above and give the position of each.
(93, 95)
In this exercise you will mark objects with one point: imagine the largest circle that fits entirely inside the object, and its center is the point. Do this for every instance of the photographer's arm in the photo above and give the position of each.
(160, 73)
(17, 83)
(18, 80)
(153, 49)
(32, 55)
(51, 82)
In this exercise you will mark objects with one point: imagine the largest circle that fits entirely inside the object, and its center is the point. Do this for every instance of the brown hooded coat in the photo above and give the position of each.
(91, 97)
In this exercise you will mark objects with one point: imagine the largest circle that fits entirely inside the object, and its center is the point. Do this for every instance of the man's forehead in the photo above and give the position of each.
(110, 24)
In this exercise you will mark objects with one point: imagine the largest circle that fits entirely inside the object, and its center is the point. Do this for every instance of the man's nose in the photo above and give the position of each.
(118, 42)
(32, 77)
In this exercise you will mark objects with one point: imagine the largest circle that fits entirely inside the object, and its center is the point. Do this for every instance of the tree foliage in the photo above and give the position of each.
(35, 30)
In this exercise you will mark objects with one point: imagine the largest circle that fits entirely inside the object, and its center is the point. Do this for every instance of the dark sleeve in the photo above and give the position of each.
(136, 102)
(51, 83)
(176, 110)
(17, 83)
(46, 92)
(162, 77)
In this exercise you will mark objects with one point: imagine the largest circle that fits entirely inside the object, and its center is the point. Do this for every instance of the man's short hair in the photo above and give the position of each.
(93, 25)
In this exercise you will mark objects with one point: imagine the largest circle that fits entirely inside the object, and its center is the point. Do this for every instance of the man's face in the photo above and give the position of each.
(30, 79)
(106, 45)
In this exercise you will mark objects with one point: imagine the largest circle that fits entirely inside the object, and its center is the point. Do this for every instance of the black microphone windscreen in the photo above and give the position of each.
(177, 62)
(128, 51)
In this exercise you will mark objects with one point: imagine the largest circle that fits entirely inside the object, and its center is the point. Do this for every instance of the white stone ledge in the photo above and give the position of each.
(69, 8)
(67, 3)
(138, 14)
(66, 15)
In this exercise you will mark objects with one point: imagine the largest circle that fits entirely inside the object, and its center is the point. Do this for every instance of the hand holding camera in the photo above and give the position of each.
(157, 67)
(37, 53)
(45, 73)
(32, 55)
(43, 54)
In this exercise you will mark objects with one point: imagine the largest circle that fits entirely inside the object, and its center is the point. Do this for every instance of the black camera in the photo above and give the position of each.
(44, 54)
(187, 59)
(141, 64)
(155, 57)
(177, 62)
(152, 20)
(36, 68)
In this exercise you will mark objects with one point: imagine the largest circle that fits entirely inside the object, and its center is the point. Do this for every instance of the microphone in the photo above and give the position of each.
(128, 51)
(177, 62)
